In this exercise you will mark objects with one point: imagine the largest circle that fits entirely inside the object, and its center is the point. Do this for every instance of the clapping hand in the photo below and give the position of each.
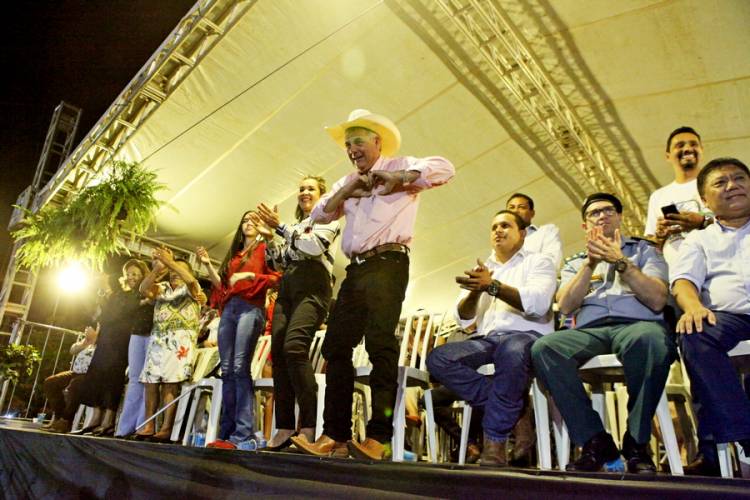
(477, 279)
(203, 256)
(260, 226)
(601, 248)
(163, 255)
(91, 334)
(269, 217)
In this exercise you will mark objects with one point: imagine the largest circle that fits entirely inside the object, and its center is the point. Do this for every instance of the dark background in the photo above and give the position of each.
(81, 52)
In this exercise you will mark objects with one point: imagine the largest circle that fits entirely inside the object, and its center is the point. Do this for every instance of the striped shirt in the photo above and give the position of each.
(304, 240)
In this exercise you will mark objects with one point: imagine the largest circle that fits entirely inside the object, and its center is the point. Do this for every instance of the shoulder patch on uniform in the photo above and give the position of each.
(575, 256)
(638, 238)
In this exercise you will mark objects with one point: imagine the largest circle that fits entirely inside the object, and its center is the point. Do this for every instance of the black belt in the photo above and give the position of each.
(360, 258)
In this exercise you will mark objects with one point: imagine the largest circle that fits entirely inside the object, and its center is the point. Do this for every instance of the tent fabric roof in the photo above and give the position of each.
(248, 122)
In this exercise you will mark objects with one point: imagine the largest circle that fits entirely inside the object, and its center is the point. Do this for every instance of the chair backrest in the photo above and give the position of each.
(316, 351)
(260, 356)
(360, 358)
(417, 340)
(206, 360)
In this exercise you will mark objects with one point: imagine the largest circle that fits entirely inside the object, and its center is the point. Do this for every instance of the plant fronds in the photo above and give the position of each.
(89, 227)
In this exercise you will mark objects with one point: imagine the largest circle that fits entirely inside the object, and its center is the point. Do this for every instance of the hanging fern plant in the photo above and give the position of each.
(89, 228)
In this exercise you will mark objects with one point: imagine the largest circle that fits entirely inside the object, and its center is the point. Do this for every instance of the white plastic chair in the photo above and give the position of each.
(725, 456)
(318, 363)
(415, 345)
(607, 368)
(362, 369)
(541, 417)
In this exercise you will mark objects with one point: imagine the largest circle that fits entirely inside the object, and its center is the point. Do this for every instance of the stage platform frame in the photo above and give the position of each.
(35, 464)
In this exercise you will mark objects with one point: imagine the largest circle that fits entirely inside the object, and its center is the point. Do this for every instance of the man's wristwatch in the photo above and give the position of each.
(494, 288)
(621, 264)
(707, 221)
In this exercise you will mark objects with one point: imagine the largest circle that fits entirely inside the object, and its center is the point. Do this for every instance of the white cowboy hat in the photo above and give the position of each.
(390, 137)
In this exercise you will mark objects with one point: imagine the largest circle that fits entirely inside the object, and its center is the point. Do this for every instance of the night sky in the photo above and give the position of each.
(81, 52)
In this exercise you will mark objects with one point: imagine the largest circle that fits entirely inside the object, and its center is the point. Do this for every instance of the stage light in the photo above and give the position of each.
(73, 278)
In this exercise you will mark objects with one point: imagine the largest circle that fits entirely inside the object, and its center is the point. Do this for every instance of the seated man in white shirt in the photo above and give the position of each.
(510, 299)
(711, 282)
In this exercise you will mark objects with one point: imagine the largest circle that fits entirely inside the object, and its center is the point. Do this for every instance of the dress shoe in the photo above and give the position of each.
(162, 437)
(597, 451)
(701, 466)
(61, 426)
(84, 430)
(473, 453)
(369, 449)
(286, 444)
(104, 431)
(637, 457)
(324, 446)
(494, 453)
(525, 438)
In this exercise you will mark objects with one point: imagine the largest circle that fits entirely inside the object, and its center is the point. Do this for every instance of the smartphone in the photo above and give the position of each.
(669, 209)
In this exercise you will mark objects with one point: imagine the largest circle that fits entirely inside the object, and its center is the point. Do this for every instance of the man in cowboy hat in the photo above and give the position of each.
(380, 202)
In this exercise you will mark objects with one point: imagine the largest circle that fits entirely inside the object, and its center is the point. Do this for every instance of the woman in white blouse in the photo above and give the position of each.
(304, 251)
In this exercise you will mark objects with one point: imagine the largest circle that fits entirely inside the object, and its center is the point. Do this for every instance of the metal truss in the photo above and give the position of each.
(506, 58)
(194, 37)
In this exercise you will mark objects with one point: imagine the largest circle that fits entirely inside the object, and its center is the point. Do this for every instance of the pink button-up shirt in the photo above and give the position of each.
(377, 219)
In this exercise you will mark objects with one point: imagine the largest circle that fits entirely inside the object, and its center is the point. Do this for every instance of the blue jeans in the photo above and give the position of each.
(502, 396)
(134, 407)
(239, 329)
(724, 407)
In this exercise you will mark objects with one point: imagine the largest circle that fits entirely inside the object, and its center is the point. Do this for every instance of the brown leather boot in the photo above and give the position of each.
(370, 449)
(493, 454)
(523, 447)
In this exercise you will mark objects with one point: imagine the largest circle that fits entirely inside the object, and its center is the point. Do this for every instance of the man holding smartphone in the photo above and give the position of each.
(673, 211)
(677, 208)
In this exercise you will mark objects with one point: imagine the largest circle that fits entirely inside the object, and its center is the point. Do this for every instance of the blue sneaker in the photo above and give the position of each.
(249, 445)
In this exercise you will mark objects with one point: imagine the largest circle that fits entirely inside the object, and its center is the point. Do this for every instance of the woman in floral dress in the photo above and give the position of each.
(172, 346)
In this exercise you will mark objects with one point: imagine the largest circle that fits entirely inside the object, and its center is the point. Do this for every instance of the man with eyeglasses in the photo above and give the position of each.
(616, 291)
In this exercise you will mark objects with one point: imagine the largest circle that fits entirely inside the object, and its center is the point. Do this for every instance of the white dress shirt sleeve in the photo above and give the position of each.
(539, 287)
(690, 263)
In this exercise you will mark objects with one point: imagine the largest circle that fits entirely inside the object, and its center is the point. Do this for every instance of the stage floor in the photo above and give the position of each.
(36, 465)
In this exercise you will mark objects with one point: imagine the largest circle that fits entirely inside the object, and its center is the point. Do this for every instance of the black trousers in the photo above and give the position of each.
(300, 309)
(368, 305)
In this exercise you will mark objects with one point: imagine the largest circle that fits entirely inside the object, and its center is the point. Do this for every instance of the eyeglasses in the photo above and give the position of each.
(594, 214)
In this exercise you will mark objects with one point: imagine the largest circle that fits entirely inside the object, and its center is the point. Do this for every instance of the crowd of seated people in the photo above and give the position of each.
(683, 284)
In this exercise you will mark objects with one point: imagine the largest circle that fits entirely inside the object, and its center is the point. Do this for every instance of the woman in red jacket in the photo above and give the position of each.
(240, 292)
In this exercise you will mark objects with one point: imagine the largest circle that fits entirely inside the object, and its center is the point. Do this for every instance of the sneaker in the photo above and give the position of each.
(249, 445)
(222, 445)
(599, 453)
(637, 456)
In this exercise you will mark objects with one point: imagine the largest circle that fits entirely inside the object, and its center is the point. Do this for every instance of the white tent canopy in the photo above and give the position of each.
(248, 121)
